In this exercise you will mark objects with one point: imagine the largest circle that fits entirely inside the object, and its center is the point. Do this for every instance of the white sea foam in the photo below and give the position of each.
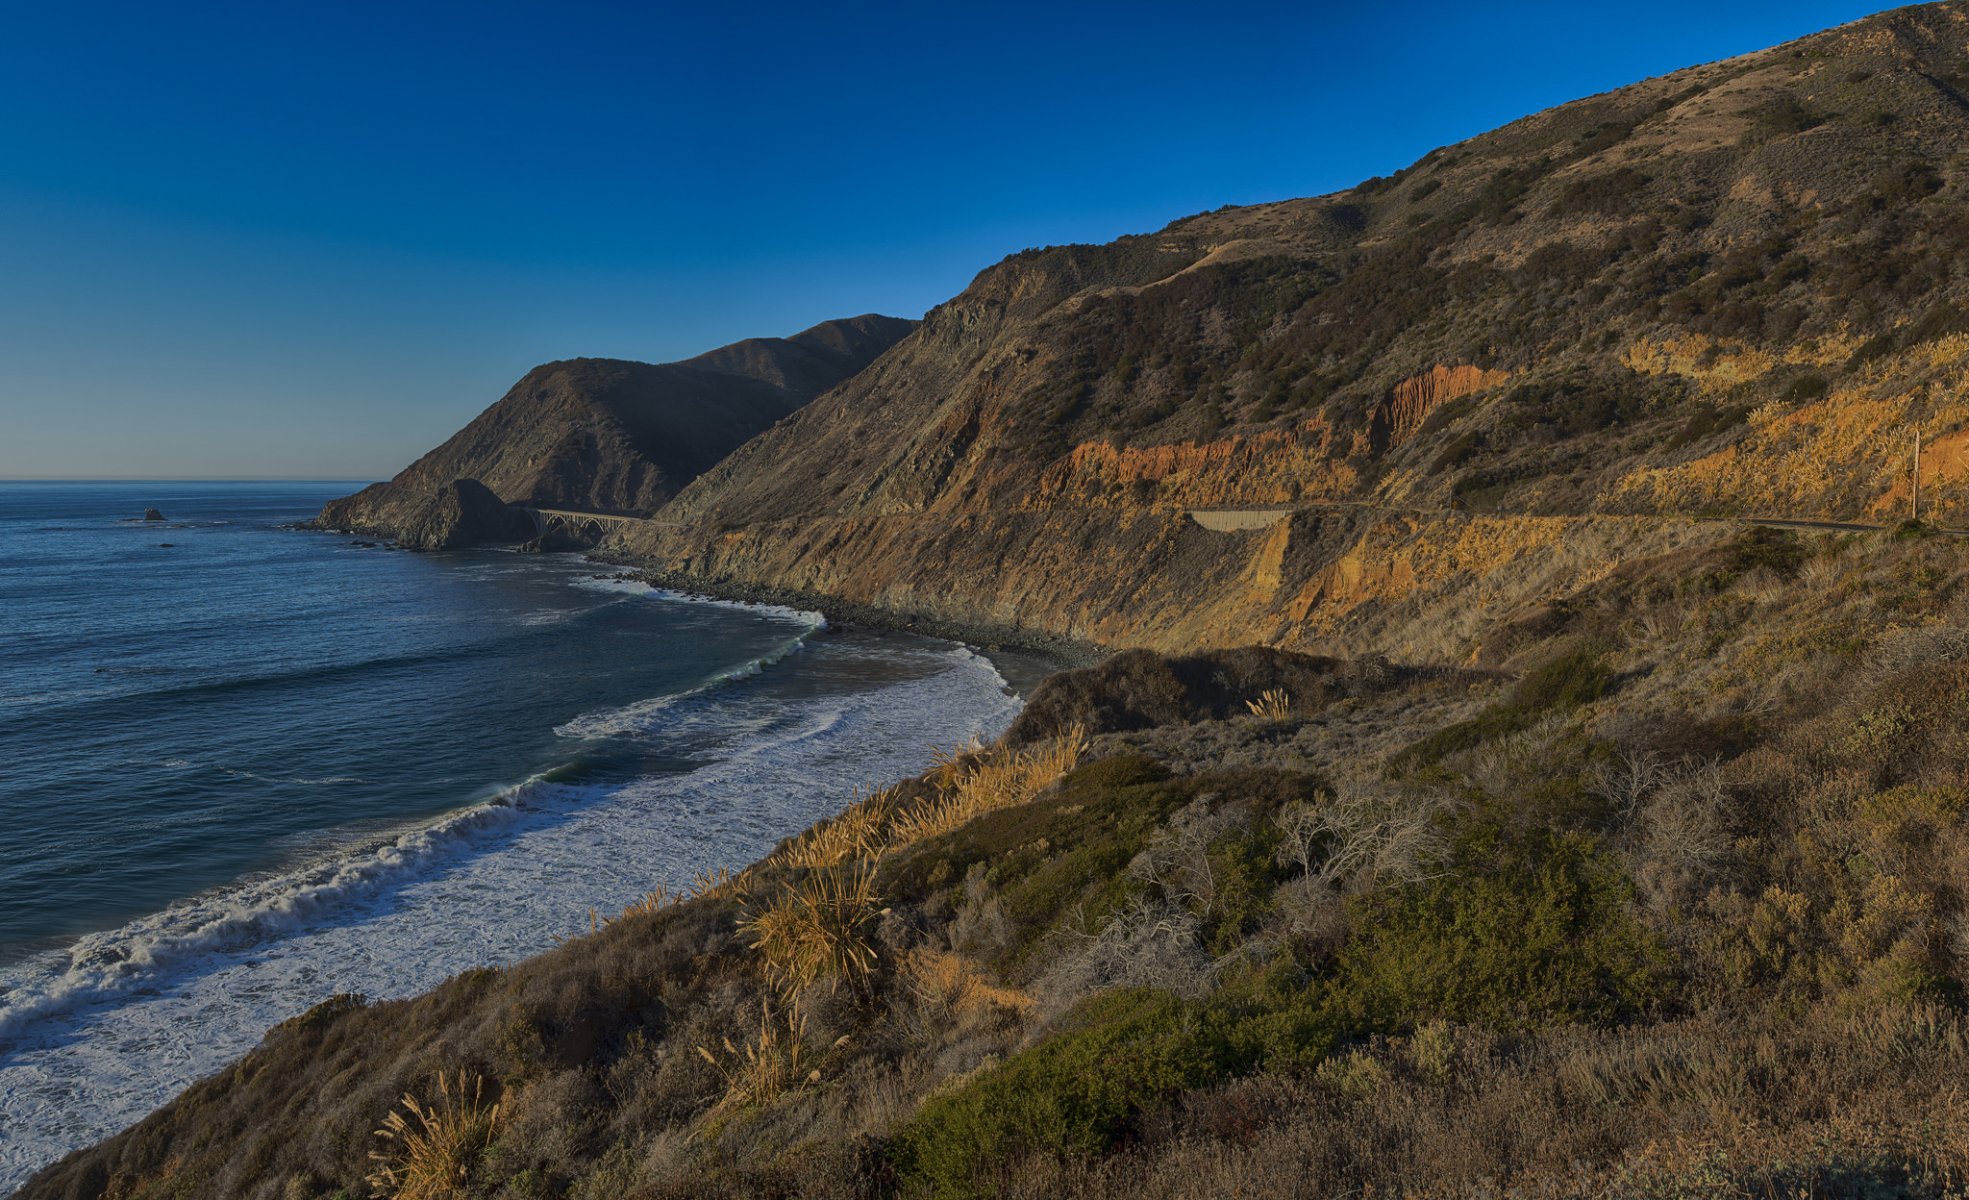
(637, 717)
(93, 1037)
(626, 582)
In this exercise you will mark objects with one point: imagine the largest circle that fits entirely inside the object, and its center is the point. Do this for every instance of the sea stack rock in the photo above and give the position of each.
(151, 514)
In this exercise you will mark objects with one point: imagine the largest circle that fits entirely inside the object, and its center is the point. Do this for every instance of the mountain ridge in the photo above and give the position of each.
(611, 435)
(1687, 296)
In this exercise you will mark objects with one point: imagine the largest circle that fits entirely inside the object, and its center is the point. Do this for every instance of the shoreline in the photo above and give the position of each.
(1043, 653)
(453, 846)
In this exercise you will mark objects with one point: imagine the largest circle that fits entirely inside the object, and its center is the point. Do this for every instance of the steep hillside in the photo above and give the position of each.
(1734, 289)
(1666, 902)
(612, 436)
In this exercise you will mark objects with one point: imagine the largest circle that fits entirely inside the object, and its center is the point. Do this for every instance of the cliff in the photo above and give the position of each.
(1720, 291)
(611, 436)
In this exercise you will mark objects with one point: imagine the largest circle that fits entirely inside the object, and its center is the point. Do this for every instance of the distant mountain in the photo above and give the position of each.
(609, 435)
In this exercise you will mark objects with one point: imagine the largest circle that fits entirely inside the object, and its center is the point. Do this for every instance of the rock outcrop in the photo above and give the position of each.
(151, 514)
(463, 512)
(612, 436)
(1410, 401)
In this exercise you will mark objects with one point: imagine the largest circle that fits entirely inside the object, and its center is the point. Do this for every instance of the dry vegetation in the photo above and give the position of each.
(434, 1148)
(1667, 899)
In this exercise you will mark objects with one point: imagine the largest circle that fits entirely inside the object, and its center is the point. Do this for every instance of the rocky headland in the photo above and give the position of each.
(606, 436)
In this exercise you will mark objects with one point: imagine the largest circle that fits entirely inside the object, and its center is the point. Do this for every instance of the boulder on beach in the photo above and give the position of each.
(151, 514)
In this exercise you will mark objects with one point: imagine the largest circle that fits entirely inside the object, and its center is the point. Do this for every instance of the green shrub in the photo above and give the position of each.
(1245, 872)
(1706, 421)
(1561, 684)
(1611, 193)
(1784, 116)
(1517, 935)
(1574, 678)
(1073, 1094)
(1777, 550)
(1457, 452)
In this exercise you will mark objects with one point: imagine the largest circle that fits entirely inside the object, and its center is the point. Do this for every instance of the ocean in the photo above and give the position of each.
(244, 768)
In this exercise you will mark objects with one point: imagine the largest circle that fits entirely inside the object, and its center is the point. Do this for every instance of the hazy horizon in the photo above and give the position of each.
(271, 244)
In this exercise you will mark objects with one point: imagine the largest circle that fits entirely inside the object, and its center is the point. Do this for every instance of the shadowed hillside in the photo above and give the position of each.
(611, 436)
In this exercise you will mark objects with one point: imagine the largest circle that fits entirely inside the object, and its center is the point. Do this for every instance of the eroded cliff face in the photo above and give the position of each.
(1723, 291)
(607, 435)
(1401, 416)
(1415, 587)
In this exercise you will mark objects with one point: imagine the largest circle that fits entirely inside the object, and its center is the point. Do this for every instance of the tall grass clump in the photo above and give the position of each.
(434, 1147)
(771, 1063)
(819, 928)
(1272, 704)
(856, 833)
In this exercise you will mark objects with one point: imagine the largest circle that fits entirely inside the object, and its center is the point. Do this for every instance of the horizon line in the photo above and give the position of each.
(184, 479)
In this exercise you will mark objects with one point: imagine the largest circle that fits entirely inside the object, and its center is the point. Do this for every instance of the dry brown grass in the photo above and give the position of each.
(771, 1063)
(721, 884)
(434, 1147)
(1272, 704)
(955, 986)
(856, 833)
(818, 928)
(987, 783)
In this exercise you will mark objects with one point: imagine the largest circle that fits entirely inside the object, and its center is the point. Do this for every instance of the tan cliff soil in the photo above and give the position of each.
(1401, 415)
(1273, 466)
(1417, 588)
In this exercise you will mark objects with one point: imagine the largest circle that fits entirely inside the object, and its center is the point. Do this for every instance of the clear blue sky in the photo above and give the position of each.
(286, 239)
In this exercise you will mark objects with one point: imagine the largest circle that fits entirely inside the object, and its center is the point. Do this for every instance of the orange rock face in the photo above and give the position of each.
(1413, 399)
(1274, 466)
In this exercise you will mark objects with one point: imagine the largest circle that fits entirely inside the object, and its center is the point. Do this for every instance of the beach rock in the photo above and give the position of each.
(151, 514)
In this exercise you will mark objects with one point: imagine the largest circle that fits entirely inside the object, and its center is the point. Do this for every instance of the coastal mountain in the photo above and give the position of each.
(607, 435)
(1558, 829)
(1732, 289)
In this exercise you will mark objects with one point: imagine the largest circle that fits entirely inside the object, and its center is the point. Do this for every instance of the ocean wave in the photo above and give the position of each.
(629, 583)
(297, 781)
(102, 967)
(97, 1036)
(642, 714)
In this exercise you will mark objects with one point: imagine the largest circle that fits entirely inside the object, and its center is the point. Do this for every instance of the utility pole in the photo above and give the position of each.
(1916, 513)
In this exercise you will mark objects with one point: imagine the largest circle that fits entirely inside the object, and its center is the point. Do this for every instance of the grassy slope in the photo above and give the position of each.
(1665, 900)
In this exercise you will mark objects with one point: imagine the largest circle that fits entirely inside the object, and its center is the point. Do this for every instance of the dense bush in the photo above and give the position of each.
(1515, 934)
(1074, 1093)
(1576, 677)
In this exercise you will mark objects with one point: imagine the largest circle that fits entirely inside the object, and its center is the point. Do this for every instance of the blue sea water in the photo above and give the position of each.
(243, 768)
